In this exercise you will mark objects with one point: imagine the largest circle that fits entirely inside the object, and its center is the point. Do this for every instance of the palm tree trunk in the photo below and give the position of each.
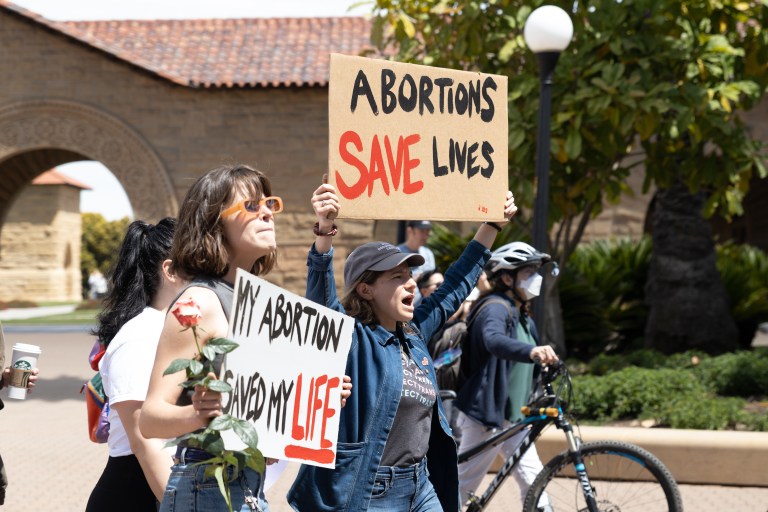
(688, 305)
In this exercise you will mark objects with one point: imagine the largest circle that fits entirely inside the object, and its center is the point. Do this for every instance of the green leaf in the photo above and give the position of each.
(223, 486)
(219, 386)
(209, 353)
(407, 25)
(195, 366)
(231, 459)
(222, 345)
(191, 383)
(247, 433)
(255, 460)
(506, 51)
(176, 366)
(213, 443)
(573, 144)
(516, 137)
(223, 422)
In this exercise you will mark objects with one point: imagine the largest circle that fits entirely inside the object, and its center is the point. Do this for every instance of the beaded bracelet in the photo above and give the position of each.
(493, 225)
(317, 232)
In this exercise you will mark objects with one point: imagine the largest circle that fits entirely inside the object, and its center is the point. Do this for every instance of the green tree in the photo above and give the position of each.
(100, 243)
(664, 76)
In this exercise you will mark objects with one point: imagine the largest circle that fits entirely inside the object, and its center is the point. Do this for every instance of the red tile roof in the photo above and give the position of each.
(270, 52)
(54, 177)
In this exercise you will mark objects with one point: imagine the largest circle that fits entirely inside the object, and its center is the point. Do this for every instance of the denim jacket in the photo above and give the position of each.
(377, 376)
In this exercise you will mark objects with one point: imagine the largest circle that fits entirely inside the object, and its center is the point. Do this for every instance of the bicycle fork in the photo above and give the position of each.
(574, 449)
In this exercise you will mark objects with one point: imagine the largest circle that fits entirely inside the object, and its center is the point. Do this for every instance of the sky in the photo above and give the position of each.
(108, 196)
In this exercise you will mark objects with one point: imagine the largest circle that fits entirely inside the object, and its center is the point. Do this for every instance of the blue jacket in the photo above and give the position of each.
(377, 376)
(488, 358)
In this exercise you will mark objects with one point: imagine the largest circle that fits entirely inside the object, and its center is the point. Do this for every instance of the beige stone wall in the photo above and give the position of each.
(284, 132)
(40, 254)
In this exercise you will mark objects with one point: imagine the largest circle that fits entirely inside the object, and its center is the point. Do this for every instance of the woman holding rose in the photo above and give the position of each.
(226, 222)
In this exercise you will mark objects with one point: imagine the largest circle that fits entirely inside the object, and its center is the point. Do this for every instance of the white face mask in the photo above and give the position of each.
(531, 287)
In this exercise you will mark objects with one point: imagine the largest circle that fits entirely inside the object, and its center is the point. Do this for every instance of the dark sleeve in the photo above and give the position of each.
(460, 278)
(492, 321)
(321, 283)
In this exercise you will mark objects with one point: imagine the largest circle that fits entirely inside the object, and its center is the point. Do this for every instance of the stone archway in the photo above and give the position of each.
(70, 128)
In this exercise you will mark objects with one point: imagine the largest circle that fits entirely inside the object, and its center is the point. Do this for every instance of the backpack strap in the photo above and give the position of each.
(490, 299)
(494, 299)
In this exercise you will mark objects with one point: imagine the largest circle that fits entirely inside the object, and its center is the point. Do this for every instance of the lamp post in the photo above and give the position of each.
(548, 31)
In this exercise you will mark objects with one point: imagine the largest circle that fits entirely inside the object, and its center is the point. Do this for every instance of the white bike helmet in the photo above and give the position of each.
(513, 256)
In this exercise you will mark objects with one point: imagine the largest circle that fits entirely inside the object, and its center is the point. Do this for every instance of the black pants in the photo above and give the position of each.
(122, 487)
(3, 481)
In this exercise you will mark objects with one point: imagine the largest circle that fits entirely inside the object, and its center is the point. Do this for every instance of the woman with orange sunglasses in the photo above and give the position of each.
(226, 222)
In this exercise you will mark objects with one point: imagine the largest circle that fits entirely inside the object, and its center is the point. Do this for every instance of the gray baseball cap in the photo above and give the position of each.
(379, 256)
(420, 224)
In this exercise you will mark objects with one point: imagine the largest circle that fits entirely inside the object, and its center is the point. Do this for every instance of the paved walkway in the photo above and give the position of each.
(24, 313)
(52, 465)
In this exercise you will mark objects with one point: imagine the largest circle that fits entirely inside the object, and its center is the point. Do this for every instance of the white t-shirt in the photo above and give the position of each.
(126, 368)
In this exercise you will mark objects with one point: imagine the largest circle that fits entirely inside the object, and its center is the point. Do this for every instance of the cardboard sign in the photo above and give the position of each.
(417, 142)
(286, 374)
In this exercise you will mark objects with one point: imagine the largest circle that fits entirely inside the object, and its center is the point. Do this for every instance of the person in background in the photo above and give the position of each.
(502, 347)
(142, 287)
(97, 285)
(416, 236)
(395, 451)
(428, 282)
(5, 378)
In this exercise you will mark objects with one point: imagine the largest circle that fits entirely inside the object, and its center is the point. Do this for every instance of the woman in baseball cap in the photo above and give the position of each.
(395, 451)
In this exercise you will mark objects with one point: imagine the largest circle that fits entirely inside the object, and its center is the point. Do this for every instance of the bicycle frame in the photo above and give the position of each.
(535, 424)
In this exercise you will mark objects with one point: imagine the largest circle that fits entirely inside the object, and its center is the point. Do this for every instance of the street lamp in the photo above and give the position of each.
(548, 31)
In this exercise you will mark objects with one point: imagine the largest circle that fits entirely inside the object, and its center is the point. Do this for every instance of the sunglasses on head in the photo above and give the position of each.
(273, 203)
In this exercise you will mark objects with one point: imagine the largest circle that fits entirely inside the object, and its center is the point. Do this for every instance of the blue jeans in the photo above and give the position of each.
(405, 489)
(188, 490)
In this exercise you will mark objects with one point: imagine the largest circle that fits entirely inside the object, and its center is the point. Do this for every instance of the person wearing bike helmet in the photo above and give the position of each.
(498, 360)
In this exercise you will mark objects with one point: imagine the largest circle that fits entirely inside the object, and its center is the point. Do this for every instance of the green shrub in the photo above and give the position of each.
(744, 271)
(687, 390)
(701, 412)
(603, 364)
(606, 279)
(604, 284)
(632, 392)
(756, 420)
(741, 374)
(588, 332)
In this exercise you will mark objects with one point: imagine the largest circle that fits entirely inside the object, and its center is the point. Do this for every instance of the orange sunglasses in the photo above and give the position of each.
(273, 203)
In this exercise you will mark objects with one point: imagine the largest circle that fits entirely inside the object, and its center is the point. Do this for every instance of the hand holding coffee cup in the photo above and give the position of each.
(22, 373)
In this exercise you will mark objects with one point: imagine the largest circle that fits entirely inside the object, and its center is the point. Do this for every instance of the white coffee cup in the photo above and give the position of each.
(23, 360)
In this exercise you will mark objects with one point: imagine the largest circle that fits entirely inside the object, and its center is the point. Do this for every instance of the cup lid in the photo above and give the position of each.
(24, 347)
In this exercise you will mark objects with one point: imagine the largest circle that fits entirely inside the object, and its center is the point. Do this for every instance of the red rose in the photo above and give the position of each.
(187, 312)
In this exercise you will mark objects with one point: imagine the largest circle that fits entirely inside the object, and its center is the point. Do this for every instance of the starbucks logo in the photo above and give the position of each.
(21, 364)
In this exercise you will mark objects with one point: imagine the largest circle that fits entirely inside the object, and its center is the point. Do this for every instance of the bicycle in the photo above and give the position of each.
(600, 476)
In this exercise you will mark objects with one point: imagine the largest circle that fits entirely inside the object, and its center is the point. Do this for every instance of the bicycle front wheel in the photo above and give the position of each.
(623, 477)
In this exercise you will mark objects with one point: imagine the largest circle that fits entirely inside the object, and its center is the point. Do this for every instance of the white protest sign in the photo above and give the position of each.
(286, 374)
(416, 142)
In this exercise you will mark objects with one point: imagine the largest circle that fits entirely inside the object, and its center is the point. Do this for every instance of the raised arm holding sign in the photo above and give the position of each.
(393, 423)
